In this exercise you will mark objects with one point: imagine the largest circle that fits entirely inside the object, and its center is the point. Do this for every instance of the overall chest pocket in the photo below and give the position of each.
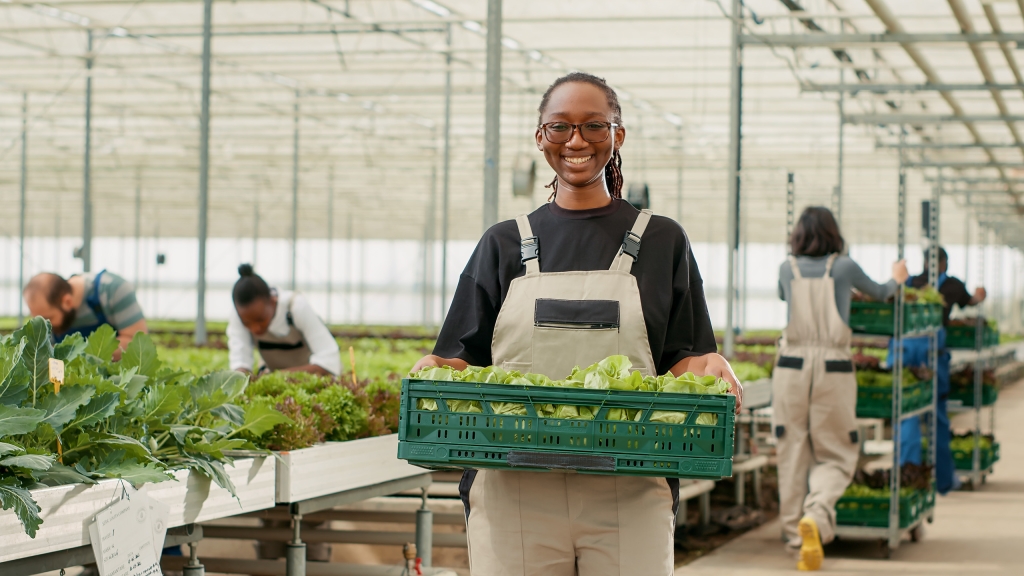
(568, 333)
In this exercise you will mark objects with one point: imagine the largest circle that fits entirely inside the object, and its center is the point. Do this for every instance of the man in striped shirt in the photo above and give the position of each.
(84, 302)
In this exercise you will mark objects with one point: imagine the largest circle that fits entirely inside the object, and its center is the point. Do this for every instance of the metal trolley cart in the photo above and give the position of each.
(905, 514)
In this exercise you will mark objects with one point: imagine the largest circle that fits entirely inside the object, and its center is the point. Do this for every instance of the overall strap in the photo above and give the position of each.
(93, 300)
(288, 313)
(795, 267)
(828, 265)
(529, 246)
(630, 249)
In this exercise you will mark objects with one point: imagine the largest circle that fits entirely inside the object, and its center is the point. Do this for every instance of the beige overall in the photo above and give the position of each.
(556, 523)
(814, 403)
(288, 351)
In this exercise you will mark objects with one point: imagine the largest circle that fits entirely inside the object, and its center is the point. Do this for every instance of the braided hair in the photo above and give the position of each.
(612, 170)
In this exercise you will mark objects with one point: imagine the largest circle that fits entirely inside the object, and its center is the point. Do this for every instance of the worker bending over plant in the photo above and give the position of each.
(84, 302)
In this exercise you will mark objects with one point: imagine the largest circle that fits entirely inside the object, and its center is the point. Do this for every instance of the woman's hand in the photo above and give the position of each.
(431, 360)
(899, 272)
(715, 365)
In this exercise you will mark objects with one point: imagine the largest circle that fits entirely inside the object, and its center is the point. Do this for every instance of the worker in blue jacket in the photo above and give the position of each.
(915, 353)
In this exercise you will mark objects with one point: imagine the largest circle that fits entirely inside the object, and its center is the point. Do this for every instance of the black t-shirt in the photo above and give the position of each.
(953, 292)
(671, 289)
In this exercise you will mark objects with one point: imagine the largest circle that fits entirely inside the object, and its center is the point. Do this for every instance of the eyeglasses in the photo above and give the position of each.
(561, 132)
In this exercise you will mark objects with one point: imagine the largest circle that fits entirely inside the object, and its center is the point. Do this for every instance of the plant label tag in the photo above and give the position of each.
(161, 515)
(124, 531)
(56, 374)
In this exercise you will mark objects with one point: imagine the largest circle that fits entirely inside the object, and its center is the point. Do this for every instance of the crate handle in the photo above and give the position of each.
(554, 460)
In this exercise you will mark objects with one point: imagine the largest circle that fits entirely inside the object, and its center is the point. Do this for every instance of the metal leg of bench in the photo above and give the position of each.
(193, 568)
(740, 482)
(295, 553)
(757, 488)
(705, 509)
(425, 532)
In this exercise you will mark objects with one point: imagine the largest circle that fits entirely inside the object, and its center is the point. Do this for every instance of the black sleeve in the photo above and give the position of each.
(469, 325)
(689, 324)
(954, 291)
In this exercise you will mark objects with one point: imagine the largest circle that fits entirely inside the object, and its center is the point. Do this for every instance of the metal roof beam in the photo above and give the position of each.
(986, 192)
(843, 40)
(971, 180)
(941, 145)
(917, 119)
(964, 165)
(885, 88)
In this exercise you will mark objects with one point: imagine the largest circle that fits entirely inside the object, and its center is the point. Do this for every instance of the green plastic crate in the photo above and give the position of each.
(877, 318)
(963, 337)
(863, 511)
(876, 402)
(989, 395)
(441, 439)
(965, 460)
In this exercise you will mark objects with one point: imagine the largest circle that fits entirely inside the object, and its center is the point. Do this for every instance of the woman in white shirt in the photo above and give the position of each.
(282, 326)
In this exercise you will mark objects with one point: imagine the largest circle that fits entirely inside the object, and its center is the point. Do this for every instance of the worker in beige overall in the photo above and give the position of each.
(581, 278)
(289, 337)
(814, 391)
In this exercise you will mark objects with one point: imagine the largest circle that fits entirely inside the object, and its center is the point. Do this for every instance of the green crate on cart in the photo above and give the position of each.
(877, 318)
(989, 395)
(964, 460)
(876, 402)
(874, 511)
(934, 315)
(443, 439)
(963, 337)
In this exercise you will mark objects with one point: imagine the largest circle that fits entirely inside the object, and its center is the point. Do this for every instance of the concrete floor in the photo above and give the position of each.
(980, 532)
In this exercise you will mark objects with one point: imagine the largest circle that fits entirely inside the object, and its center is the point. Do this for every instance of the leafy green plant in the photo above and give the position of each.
(321, 408)
(134, 419)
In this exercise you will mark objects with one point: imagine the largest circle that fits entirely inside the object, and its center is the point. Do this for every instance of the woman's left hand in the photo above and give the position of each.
(718, 366)
(715, 365)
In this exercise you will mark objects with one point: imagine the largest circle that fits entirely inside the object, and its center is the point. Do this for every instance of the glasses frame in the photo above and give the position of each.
(577, 127)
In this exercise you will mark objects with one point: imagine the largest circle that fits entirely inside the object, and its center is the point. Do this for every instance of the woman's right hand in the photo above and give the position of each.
(430, 360)
(427, 361)
(899, 272)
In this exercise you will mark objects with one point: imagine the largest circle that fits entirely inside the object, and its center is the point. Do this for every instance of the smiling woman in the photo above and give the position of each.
(598, 295)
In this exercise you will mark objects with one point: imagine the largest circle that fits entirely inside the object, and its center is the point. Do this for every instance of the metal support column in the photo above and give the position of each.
(446, 171)
(934, 234)
(837, 192)
(897, 389)
(204, 174)
(679, 177)
(330, 241)
(138, 227)
(967, 241)
(429, 233)
(735, 123)
(492, 114)
(21, 207)
(255, 228)
(86, 250)
(790, 204)
(295, 192)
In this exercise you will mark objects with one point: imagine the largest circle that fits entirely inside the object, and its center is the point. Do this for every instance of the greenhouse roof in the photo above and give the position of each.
(359, 87)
